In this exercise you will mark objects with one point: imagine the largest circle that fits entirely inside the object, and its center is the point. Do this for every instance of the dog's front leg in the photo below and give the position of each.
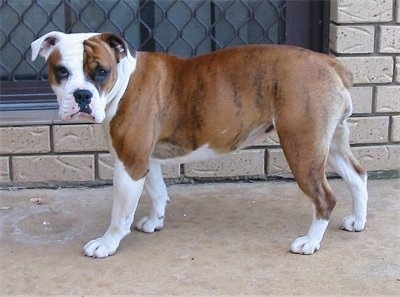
(156, 189)
(126, 197)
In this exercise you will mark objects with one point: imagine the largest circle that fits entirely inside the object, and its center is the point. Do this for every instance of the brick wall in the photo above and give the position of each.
(365, 36)
(37, 149)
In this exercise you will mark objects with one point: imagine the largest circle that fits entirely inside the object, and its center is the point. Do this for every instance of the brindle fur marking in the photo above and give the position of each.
(187, 96)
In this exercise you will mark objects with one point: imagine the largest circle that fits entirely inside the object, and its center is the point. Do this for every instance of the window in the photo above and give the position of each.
(182, 27)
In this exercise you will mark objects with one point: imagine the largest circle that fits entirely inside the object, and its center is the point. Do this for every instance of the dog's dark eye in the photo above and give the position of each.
(101, 75)
(61, 72)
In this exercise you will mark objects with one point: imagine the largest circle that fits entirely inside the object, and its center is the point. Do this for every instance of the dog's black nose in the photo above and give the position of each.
(83, 98)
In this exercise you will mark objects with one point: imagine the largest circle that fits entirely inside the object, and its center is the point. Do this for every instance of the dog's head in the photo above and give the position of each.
(82, 70)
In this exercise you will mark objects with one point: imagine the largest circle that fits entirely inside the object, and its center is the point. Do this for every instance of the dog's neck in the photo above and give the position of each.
(125, 69)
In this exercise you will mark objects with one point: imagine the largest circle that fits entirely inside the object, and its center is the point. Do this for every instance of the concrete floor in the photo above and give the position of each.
(230, 239)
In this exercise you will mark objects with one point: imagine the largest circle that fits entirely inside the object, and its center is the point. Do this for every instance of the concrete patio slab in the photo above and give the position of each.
(219, 239)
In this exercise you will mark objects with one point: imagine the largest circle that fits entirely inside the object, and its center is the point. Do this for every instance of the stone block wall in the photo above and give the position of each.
(365, 36)
(37, 149)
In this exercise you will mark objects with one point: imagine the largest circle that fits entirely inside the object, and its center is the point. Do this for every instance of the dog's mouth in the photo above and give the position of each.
(81, 115)
(83, 112)
(85, 108)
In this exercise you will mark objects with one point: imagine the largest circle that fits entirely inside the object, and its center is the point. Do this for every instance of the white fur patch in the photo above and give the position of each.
(157, 191)
(310, 243)
(126, 197)
(202, 153)
(339, 160)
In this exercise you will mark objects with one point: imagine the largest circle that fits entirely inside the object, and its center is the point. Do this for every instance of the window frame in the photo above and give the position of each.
(307, 25)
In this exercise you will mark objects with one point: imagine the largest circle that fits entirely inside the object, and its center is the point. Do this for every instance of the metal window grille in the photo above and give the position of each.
(182, 27)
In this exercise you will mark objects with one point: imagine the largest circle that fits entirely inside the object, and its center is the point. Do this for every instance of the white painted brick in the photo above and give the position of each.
(397, 11)
(362, 130)
(29, 139)
(370, 69)
(395, 134)
(106, 168)
(270, 139)
(72, 138)
(397, 69)
(352, 39)
(372, 158)
(369, 129)
(4, 169)
(362, 99)
(240, 163)
(388, 99)
(277, 164)
(171, 170)
(361, 11)
(389, 40)
(53, 168)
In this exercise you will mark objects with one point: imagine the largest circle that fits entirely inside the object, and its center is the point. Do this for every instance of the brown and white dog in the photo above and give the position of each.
(157, 108)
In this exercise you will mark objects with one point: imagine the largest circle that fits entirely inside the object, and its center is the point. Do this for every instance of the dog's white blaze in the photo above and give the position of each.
(202, 153)
(72, 59)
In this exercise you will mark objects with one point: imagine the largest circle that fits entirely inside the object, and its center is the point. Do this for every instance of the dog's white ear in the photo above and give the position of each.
(45, 44)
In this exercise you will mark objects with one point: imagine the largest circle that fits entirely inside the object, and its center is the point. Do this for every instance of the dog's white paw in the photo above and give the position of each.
(149, 225)
(353, 224)
(101, 247)
(304, 245)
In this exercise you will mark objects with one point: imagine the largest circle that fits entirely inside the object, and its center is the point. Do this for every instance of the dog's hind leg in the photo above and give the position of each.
(315, 185)
(345, 164)
(306, 154)
(126, 197)
(307, 162)
(156, 189)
